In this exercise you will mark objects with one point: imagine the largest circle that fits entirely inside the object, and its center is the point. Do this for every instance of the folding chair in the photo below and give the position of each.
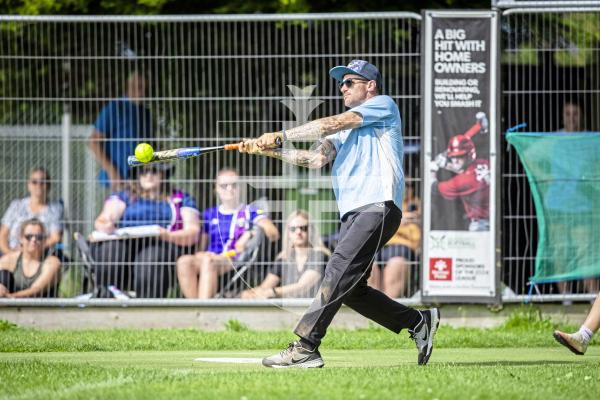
(243, 263)
(88, 263)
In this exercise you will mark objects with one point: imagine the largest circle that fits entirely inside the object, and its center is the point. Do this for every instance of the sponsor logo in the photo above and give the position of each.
(444, 242)
(438, 242)
(440, 269)
(299, 359)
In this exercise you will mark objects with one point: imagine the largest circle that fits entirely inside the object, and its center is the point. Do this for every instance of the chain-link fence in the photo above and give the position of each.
(215, 79)
(550, 80)
(72, 85)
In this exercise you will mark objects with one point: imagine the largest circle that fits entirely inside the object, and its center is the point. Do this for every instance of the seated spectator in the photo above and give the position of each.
(146, 264)
(29, 272)
(36, 205)
(226, 230)
(394, 260)
(299, 267)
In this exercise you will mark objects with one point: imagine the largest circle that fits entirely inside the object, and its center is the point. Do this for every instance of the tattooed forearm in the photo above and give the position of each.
(296, 157)
(324, 126)
(316, 158)
(327, 152)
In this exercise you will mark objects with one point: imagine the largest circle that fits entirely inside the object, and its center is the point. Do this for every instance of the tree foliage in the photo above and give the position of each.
(152, 7)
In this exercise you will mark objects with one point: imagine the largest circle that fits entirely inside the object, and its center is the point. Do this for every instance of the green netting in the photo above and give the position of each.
(564, 174)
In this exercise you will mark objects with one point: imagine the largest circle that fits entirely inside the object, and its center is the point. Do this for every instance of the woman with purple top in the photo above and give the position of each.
(145, 264)
(226, 230)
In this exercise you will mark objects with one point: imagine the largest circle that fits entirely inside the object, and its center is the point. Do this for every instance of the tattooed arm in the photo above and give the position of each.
(310, 131)
(315, 158)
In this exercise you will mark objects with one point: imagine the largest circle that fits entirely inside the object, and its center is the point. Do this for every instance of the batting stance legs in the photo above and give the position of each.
(366, 147)
(362, 234)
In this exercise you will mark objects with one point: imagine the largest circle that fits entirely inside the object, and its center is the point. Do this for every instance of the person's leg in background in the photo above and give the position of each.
(154, 271)
(396, 272)
(7, 280)
(395, 277)
(591, 285)
(212, 266)
(376, 276)
(113, 264)
(199, 274)
(188, 271)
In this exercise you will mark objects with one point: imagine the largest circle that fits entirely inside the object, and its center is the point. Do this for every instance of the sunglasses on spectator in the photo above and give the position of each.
(37, 236)
(38, 182)
(303, 228)
(234, 185)
(350, 81)
(150, 170)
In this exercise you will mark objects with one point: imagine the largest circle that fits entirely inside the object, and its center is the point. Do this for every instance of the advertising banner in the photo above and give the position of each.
(459, 130)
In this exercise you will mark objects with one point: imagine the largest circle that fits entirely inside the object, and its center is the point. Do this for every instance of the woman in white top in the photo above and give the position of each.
(36, 205)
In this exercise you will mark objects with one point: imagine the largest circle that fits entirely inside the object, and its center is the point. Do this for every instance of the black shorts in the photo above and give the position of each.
(395, 250)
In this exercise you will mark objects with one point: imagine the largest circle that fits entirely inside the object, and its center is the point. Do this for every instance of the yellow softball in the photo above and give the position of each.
(144, 152)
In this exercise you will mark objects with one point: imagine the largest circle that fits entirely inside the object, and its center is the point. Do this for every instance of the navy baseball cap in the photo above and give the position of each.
(358, 67)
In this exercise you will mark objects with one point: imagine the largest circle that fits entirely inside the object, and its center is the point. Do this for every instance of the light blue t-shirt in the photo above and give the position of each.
(368, 167)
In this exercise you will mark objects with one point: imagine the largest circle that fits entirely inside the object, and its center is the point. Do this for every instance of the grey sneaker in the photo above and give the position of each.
(572, 341)
(424, 333)
(294, 356)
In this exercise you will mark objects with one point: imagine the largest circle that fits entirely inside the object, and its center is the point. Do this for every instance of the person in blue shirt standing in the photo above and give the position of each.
(365, 146)
(121, 124)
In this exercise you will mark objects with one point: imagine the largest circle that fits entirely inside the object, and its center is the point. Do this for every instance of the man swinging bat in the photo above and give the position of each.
(365, 146)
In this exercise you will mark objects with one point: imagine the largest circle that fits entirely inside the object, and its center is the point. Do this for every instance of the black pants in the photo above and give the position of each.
(146, 265)
(8, 280)
(363, 233)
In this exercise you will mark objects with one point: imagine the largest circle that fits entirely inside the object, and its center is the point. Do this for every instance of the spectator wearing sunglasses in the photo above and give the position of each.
(145, 265)
(28, 272)
(36, 205)
(226, 230)
(299, 267)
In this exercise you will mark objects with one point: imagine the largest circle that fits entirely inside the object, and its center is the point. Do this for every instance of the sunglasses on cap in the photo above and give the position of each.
(37, 236)
(303, 228)
(350, 81)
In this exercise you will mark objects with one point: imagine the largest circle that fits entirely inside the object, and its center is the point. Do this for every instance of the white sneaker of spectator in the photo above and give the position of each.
(117, 293)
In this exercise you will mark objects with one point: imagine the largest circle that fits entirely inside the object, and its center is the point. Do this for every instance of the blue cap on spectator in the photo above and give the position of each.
(358, 67)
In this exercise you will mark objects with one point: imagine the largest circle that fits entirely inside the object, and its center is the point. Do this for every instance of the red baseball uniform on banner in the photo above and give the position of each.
(473, 187)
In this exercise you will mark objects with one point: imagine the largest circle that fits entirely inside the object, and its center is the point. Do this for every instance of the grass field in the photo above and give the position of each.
(517, 360)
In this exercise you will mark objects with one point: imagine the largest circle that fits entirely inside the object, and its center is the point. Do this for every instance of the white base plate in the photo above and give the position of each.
(230, 360)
